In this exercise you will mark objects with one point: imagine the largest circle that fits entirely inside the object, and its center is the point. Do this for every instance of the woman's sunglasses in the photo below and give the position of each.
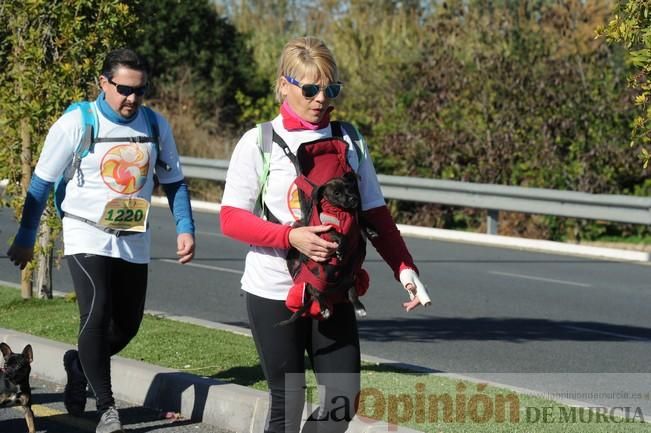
(128, 90)
(311, 90)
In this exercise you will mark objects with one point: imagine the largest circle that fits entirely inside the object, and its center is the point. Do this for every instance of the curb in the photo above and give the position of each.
(524, 244)
(231, 407)
(479, 238)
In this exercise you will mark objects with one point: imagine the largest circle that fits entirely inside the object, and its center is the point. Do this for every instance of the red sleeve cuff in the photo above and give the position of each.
(388, 243)
(244, 226)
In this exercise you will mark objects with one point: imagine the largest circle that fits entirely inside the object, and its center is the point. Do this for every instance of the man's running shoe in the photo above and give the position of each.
(109, 422)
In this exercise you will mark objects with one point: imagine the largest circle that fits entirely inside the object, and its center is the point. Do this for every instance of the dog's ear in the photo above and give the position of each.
(5, 349)
(28, 354)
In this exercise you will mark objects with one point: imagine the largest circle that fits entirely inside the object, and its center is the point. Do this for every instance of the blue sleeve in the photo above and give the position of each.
(179, 201)
(35, 203)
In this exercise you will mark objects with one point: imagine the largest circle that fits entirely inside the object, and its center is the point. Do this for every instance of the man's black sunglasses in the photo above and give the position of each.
(128, 90)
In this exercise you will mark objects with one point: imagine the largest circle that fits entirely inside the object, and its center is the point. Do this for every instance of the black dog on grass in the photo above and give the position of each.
(14, 382)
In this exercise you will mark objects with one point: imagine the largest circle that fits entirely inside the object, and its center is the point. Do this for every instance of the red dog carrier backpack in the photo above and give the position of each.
(320, 165)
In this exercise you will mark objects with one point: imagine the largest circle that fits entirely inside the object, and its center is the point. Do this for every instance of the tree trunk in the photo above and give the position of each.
(43, 278)
(26, 171)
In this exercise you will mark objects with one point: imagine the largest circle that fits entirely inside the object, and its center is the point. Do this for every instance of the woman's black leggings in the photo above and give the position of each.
(333, 348)
(111, 299)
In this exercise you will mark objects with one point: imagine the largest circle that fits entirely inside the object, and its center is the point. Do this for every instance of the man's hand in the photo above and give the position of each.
(20, 256)
(185, 247)
(417, 291)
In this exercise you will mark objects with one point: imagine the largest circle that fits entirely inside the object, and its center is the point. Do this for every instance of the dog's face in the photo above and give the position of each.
(16, 365)
(14, 382)
(342, 192)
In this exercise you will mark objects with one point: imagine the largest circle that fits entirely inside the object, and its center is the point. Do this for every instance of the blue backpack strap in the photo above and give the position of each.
(89, 131)
(154, 133)
(152, 124)
(90, 126)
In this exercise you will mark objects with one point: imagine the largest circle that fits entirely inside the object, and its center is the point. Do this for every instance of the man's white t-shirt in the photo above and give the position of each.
(265, 272)
(120, 169)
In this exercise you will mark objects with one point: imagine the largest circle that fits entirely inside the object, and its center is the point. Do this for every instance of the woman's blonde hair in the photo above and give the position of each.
(306, 56)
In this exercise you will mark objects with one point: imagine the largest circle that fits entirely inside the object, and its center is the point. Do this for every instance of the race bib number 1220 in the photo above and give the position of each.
(128, 214)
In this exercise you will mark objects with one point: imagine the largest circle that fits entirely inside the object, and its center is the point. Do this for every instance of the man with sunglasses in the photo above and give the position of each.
(105, 213)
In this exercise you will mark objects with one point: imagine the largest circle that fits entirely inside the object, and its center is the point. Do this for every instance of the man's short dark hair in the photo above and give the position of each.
(123, 57)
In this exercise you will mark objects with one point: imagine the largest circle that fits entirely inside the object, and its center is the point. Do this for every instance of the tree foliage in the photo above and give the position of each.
(630, 26)
(517, 95)
(203, 72)
(267, 25)
(372, 40)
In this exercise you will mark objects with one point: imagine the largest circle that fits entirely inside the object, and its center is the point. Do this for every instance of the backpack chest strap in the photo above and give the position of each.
(138, 139)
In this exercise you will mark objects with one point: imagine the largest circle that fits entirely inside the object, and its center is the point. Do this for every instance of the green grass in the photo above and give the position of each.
(390, 394)
(198, 350)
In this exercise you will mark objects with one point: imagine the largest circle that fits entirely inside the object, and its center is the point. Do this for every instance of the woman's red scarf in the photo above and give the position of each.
(292, 122)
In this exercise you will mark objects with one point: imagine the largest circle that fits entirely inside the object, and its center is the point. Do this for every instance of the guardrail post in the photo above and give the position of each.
(492, 219)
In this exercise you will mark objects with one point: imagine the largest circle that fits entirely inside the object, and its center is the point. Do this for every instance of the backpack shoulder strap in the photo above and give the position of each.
(89, 131)
(154, 133)
(265, 144)
(89, 116)
(266, 137)
(152, 124)
(338, 130)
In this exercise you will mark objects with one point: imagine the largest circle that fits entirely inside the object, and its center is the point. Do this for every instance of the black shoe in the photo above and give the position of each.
(74, 394)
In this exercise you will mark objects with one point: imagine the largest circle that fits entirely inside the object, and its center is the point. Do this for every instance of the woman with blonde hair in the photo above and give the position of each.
(306, 85)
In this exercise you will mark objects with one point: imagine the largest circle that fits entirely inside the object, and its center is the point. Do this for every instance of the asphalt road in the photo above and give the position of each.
(51, 416)
(547, 322)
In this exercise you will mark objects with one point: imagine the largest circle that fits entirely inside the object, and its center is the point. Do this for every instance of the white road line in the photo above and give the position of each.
(198, 265)
(550, 280)
(612, 334)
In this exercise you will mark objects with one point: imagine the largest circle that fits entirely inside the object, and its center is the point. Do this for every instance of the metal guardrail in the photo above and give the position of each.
(199, 168)
(493, 198)
(606, 207)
